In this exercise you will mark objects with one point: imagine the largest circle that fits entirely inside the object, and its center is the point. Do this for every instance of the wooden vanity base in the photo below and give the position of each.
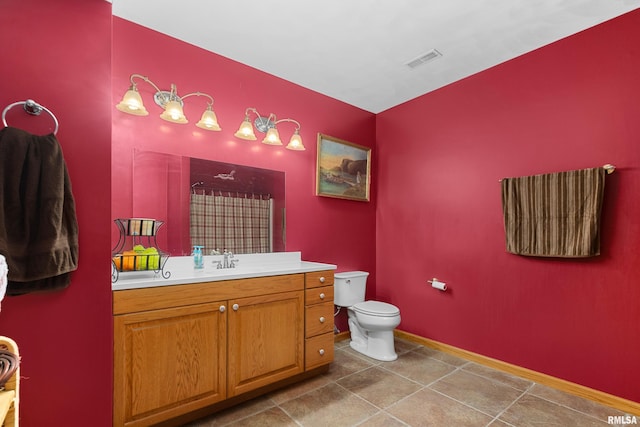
(184, 351)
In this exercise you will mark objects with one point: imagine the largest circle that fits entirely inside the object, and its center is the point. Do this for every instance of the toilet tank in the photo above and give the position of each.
(349, 287)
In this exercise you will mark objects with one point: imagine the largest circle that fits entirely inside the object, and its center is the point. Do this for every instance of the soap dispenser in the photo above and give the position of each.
(198, 262)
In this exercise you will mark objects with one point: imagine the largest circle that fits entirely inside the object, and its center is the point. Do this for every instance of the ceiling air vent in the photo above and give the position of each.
(424, 58)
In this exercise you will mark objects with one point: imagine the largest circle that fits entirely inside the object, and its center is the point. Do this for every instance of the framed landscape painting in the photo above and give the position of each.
(343, 169)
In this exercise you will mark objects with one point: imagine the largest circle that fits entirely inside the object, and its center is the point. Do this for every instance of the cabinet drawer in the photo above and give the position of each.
(318, 295)
(318, 319)
(319, 278)
(318, 351)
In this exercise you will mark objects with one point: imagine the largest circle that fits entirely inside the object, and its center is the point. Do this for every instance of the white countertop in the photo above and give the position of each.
(249, 265)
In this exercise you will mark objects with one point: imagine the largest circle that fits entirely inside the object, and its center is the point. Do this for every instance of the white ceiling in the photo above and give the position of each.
(356, 50)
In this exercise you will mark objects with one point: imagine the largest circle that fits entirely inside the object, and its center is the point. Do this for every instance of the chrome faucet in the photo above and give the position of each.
(227, 259)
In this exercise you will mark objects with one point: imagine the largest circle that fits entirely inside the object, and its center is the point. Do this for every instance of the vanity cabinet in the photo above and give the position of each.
(318, 318)
(168, 361)
(265, 340)
(181, 348)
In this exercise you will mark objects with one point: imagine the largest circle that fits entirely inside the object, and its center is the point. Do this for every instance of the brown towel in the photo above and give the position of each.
(554, 215)
(38, 226)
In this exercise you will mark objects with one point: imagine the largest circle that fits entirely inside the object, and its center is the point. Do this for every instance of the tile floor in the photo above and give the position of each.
(424, 387)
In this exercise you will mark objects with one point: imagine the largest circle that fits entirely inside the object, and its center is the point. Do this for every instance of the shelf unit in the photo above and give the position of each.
(137, 231)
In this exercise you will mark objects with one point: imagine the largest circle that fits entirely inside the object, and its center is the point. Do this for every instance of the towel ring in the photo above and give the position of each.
(31, 107)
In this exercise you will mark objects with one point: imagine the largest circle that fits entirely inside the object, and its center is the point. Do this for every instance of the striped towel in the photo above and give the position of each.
(554, 215)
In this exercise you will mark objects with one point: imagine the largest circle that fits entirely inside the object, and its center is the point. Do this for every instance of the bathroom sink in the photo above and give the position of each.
(248, 265)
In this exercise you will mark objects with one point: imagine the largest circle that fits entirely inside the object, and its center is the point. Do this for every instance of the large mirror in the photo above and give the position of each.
(211, 204)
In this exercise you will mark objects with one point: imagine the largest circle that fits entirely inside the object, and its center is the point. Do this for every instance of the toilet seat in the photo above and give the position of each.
(376, 308)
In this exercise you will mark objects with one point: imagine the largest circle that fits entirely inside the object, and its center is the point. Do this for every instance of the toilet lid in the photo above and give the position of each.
(376, 308)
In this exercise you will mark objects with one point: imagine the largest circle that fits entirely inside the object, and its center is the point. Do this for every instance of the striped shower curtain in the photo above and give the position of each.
(240, 223)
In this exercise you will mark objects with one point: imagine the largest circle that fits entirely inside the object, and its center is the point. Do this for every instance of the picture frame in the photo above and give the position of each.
(343, 169)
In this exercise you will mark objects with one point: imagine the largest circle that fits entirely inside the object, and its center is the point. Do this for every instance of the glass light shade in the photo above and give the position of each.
(132, 103)
(209, 121)
(272, 137)
(173, 113)
(245, 131)
(295, 143)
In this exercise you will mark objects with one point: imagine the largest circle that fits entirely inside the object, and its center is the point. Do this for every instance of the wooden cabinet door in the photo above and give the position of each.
(168, 362)
(266, 340)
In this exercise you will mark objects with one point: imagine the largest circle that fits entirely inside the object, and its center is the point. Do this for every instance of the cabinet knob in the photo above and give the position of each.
(321, 319)
(322, 279)
(321, 351)
(235, 307)
(222, 308)
(322, 295)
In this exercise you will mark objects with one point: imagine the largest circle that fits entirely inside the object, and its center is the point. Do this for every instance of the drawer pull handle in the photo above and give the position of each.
(235, 307)
(321, 351)
(222, 308)
(322, 279)
(322, 295)
(322, 319)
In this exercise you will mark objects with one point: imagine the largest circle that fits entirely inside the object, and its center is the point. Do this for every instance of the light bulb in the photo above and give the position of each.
(245, 131)
(209, 121)
(173, 113)
(272, 137)
(132, 103)
(295, 143)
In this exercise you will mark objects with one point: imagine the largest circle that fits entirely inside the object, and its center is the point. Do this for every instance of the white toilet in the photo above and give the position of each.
(371, 323)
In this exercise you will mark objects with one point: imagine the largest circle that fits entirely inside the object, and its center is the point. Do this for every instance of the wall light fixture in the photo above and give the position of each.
(171, 103)
(268, 125)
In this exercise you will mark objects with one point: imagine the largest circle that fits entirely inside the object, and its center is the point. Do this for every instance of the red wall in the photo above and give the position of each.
(571, 105)
(58, 53)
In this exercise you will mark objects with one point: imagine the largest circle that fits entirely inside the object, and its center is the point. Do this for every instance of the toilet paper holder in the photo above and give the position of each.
(437, 284)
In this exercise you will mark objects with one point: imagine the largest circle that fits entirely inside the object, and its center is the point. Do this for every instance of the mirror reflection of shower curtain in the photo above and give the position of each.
(240, 223)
